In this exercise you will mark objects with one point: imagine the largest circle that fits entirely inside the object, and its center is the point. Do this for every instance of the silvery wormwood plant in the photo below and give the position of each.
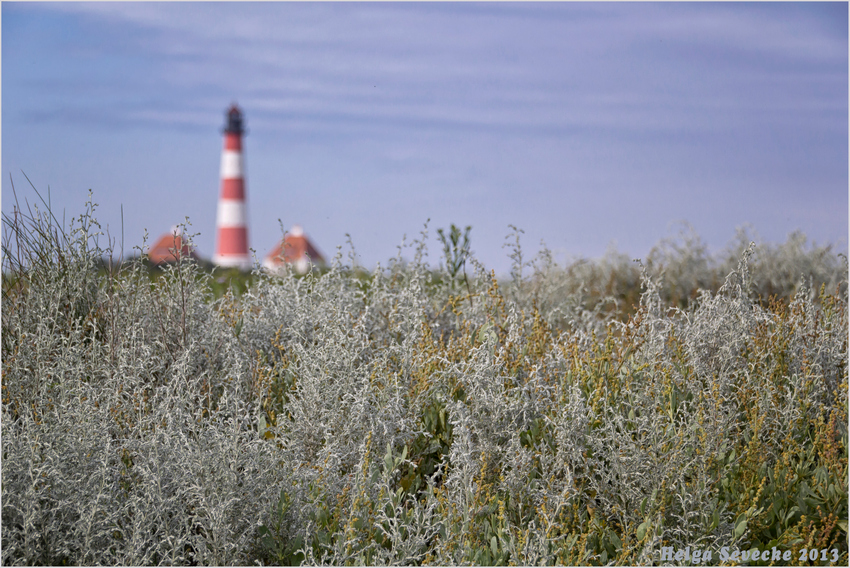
(397, 417)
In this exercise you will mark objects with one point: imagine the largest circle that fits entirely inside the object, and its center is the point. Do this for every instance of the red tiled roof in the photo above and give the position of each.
(294, 248)
(163, 251)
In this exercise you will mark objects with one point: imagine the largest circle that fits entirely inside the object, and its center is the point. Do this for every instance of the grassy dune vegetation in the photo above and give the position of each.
(586, 414)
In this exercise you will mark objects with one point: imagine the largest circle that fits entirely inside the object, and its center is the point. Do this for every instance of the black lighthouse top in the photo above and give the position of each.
(234, 120)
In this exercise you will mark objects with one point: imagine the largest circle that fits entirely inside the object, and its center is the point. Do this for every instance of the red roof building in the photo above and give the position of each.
(164, 250)
(295, 249)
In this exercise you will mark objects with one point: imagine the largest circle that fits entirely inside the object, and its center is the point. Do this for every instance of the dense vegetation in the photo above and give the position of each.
(583, 414)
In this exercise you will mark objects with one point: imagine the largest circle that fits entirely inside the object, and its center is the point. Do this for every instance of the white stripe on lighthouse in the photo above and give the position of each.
(243, 261)
(231, 213)
(231, 164)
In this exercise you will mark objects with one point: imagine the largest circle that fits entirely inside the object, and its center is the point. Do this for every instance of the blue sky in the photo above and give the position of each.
(586, 125)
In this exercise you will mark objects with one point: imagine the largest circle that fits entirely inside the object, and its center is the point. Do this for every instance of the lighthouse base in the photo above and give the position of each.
(241, 261)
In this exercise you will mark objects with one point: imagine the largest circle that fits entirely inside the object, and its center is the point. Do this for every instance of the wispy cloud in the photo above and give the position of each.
(489, 66)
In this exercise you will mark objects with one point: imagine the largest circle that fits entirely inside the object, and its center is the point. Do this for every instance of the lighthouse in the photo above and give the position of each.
(232, 219)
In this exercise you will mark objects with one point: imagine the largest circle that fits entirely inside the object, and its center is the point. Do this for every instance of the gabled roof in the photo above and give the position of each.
(169, 244)
(295, 249)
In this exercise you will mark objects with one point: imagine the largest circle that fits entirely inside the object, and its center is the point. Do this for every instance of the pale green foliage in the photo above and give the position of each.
(395, 417)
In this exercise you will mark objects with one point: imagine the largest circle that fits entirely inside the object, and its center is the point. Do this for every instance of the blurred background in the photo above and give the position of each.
(591, 127)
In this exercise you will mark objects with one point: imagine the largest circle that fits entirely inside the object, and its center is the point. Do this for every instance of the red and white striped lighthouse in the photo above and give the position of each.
(232, 219)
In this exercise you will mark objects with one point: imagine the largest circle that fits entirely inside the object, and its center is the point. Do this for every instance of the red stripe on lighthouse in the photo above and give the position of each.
(233, 189)
(233, 141)
(231, 220)
(233, 240)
